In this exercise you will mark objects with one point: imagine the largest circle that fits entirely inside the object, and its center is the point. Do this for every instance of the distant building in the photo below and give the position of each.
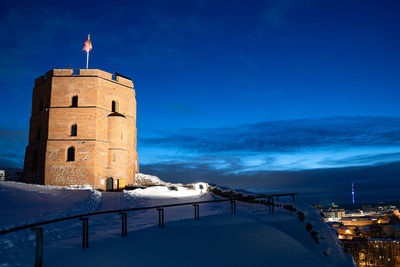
(363, 220)
(82, 130)
(391, 231)
(333, 214)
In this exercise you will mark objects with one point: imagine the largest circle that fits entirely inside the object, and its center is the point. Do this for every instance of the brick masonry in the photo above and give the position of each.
(105, 145)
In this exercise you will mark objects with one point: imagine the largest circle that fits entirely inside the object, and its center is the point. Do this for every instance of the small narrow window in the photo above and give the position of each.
(74, 101)
(114, 157)
(71, 154)
(74, 130)
(38, 134)
(113, 106)
(34, 160)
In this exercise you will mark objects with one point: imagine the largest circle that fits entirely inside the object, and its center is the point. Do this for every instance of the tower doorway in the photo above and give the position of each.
(110, 184)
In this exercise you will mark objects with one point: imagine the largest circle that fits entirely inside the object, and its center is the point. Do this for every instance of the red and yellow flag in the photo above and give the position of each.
(88, 45)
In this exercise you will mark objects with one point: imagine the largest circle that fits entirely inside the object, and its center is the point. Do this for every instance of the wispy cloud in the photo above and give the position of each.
(317, 158)
(284, 136)
(364, 159)
(279, 145)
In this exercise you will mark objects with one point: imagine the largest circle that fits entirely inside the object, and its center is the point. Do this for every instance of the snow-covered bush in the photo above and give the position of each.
(148, 180)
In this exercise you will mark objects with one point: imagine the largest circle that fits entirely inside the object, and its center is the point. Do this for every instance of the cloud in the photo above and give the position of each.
(372, 183)
(286, 136)
(367, 159)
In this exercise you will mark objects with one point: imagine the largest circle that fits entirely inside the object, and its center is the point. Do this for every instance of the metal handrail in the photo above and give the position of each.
(32, 225)
(29, 226)
(85, 220)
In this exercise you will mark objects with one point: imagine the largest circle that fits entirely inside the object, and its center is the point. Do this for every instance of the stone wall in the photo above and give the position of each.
(105, 143)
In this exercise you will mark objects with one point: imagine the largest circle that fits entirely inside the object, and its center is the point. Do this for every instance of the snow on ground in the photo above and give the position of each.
(27, 203)
(218, 239)
(146, 179)
(165, 192)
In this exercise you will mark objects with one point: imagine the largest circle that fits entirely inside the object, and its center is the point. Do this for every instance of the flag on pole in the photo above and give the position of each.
(88, 45)
(87, 48)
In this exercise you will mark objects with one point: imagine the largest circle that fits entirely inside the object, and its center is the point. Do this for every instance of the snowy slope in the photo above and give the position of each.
(25, 203)
(215, 237)
(218, 240)
(29, 203)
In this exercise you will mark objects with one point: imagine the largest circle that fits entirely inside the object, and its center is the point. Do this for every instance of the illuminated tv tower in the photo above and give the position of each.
(352, 191)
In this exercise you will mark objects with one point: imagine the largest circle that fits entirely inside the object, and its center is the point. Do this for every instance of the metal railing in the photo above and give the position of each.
(85, 220)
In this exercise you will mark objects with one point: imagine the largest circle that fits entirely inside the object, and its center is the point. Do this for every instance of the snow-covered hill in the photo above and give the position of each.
(219, 238)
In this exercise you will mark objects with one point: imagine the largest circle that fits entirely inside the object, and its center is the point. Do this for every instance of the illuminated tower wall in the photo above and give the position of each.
(82, 130)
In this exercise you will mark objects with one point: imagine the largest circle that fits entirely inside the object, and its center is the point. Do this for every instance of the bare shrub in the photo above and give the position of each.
(173, 187)
(300, 215)
(190, 186)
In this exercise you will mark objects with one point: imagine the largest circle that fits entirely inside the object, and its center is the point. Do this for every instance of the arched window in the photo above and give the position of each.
(41, 105)
(114, 106)
(74, 130)
(34, 160)
(38, 134)
(71, 154)
(74, 101)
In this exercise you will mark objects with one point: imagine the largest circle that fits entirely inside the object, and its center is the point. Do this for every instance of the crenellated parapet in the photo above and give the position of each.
(118, 78)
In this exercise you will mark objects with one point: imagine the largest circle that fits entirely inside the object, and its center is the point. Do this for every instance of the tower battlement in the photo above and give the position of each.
(84, 73)
(82, 130)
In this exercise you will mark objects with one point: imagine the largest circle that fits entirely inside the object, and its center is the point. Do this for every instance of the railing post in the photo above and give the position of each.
(160, 217)
(85, 232)
(293, 196)
(123, 224)
(39, 246)
(196, 212)
(272, 205)
(269, 205)
(233, 206)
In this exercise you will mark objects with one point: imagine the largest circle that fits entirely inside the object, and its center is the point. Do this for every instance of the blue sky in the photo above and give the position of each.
(227, 90)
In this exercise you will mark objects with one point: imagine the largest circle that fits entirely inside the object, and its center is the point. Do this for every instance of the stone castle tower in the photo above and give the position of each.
(82, 130)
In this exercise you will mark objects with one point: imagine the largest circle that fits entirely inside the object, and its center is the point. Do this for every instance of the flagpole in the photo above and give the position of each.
(87, 48)
(87, 59)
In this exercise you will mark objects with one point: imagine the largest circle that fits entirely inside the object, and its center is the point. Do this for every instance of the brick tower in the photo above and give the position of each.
(82, 130)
